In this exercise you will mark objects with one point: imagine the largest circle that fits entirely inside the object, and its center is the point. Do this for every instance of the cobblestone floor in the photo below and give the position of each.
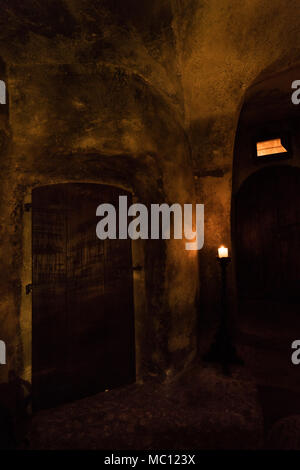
(200, 410)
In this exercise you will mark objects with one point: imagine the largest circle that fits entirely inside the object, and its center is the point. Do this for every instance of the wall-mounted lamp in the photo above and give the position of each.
(222, 252)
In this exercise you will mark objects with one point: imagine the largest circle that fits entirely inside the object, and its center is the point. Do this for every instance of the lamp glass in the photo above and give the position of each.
(223, 252)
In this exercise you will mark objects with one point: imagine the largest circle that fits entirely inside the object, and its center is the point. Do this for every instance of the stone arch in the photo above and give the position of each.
(267, 110)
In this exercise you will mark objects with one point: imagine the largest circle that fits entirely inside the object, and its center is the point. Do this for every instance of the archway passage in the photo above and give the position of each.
(267, 242)
(267, 234)
(82, 304)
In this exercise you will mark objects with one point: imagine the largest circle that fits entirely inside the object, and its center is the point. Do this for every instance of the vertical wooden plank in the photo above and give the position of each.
(49, 293)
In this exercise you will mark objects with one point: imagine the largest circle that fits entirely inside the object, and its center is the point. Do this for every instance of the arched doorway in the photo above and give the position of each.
(82, 296)
(266, 241)
(267, 234)
(267, 245)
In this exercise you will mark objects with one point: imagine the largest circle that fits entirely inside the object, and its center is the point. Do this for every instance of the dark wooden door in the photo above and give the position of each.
(82, 312)
(267, 234)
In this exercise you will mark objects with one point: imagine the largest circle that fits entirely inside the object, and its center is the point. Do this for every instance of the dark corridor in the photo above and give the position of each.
(82, 314)
(267, 241)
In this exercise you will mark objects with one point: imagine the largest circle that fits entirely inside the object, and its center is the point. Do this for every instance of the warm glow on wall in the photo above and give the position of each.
(269, 147)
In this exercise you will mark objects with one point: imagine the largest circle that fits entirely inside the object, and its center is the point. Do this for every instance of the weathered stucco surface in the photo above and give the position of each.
(144, 95)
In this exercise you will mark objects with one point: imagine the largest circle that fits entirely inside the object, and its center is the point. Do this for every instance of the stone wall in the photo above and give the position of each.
(145, 95)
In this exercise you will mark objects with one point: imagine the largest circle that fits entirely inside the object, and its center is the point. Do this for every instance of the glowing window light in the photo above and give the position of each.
(269, 147)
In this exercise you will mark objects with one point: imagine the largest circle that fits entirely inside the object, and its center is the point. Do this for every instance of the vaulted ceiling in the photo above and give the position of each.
(201, 55)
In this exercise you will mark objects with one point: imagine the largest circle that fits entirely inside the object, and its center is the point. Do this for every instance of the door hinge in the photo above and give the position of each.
(27, 207)
(28, 289)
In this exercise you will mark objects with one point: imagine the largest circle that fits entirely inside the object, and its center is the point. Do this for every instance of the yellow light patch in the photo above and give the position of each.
(269, 147)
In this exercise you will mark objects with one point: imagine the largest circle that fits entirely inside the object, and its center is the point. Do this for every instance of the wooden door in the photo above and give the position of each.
(267, 234)
(83, 324)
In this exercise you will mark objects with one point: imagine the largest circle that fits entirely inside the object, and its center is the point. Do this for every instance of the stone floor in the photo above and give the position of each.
(201, 410)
